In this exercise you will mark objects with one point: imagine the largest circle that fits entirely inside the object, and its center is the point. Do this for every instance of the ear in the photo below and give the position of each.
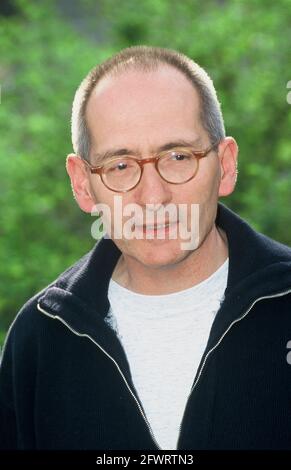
(227, 153)
(80, 182)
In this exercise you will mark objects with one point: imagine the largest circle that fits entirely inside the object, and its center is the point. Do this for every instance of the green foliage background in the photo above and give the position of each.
(46, 51)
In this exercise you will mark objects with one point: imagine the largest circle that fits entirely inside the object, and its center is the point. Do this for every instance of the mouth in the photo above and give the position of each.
(155, 228)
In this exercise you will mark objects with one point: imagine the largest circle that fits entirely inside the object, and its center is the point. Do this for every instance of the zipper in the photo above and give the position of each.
(84, 335)
(280, 294)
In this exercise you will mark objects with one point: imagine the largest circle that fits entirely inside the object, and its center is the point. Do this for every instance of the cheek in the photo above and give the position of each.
(200, 190)
(203, 191)
(207, 182)
(103, 200)
(100, 193)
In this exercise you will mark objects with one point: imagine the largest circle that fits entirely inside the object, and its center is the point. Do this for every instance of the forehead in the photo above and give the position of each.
(140, 108)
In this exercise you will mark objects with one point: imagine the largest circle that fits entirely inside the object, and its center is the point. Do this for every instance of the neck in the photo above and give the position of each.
(195, 268)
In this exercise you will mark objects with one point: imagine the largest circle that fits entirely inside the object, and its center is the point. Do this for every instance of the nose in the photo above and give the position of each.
(152, 189)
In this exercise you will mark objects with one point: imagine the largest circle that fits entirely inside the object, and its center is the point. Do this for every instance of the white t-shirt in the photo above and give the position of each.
(164, 337)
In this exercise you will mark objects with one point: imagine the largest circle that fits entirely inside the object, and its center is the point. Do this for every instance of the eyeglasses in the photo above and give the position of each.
(176, 166)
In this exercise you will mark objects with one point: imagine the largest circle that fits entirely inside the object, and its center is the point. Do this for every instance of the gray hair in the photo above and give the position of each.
(147, 59)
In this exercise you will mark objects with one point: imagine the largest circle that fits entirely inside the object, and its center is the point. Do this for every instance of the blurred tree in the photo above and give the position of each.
(7, 8)
(42, 231)
(245, 47)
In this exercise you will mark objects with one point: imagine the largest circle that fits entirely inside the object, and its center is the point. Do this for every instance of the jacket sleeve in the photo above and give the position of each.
(8, 432)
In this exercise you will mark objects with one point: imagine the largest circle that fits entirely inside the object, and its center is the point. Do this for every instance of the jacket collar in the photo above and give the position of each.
(252, 255)
(258, 266)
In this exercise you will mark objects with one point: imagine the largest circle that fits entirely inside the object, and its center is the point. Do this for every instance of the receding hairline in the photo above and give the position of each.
(116, 74)
(147, 58)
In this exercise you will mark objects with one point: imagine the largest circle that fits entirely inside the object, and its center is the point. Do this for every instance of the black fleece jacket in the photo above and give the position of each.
(65, 381)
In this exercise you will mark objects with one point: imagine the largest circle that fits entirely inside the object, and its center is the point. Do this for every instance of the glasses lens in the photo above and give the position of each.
(121, 174)
(178, 166)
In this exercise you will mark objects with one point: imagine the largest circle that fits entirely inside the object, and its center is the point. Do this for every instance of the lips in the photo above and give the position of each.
(155, 226)
(158, 226)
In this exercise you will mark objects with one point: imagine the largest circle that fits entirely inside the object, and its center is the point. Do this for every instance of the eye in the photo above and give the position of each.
(180, 156)
(119, 166)
(115, 167)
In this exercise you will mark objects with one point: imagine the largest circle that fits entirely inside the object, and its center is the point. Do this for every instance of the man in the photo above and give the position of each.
(143, 344)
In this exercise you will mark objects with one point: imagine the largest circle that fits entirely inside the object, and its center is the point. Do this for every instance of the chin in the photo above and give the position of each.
(159, 253)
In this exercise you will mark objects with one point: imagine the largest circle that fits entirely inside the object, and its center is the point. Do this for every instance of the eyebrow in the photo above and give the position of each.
(101, 157)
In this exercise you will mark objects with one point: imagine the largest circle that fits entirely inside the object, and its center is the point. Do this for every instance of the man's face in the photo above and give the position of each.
(142, 112)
